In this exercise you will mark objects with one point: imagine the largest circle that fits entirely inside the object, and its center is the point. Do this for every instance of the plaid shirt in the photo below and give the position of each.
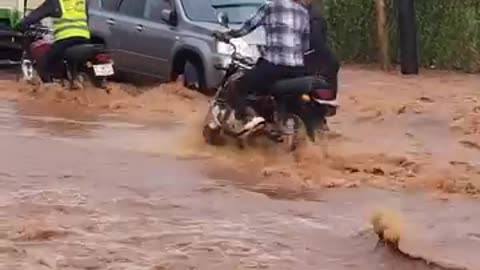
(287, 30)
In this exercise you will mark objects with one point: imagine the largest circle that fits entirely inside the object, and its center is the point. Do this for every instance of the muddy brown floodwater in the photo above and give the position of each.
(92, 181)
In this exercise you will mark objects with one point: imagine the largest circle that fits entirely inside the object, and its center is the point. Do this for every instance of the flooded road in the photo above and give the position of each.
(86, 191)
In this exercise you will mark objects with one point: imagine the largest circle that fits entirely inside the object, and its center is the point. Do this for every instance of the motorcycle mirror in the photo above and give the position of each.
(25, 7)
(223, 19)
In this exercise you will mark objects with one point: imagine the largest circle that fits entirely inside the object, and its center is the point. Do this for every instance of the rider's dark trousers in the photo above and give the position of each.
(258, 80)
(53, 58)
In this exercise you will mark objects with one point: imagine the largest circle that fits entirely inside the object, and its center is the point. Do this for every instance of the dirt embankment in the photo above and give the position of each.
(391, 131)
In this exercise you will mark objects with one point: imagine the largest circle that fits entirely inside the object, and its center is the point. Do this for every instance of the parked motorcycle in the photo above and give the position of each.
(292, 106)
(82, 63)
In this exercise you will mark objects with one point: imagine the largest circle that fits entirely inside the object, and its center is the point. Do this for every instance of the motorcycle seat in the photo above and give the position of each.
(298, 86)
(82, 52)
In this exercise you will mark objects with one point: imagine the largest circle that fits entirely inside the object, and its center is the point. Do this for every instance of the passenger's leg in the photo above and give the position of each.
(288, 104)
(332, 73)
(72, 42)
(330, 69)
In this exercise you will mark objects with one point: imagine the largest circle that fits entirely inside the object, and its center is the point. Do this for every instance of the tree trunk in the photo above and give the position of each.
(321, 4)
(407, 26)
(382, 36)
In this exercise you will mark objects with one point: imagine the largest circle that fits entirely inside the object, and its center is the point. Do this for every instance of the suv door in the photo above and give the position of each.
(125, 29)
(157, 39)
(101, 18)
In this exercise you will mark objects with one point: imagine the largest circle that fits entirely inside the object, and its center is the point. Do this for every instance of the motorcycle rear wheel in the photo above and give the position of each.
(101, 83)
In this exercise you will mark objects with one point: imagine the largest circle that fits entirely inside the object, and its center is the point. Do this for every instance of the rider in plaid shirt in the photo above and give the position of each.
(286, 24)
(287, 31)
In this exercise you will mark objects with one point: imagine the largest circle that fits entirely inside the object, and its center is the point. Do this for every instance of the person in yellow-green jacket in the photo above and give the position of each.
(70, 26)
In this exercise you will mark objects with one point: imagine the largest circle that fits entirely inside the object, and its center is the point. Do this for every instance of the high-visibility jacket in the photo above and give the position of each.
(73, 22)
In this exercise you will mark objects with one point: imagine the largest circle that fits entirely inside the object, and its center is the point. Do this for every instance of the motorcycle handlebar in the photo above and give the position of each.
(20, 33)
(220, 37)
(38, 29)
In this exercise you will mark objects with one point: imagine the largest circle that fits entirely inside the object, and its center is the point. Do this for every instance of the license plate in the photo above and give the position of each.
(103, 70)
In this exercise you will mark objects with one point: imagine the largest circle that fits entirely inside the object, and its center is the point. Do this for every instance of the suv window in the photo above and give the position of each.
(238, 11)
(110, 5)
(153, 10)
(134, 8)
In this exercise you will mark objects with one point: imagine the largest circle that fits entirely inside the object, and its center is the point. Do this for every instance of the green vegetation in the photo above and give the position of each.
(448, 31)
(9, 17)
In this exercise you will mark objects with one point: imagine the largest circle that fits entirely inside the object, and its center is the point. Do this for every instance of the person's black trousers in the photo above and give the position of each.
(53, 59)
(258, 80)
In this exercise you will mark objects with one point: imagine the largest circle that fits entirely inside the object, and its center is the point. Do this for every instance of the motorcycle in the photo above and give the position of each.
(82, 63)
(291, 107)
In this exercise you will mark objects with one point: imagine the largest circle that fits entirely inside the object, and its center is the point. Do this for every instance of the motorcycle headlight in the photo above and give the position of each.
(243, 48)
(224, 48)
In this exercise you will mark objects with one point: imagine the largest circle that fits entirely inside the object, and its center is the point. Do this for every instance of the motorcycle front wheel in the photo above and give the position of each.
(212, 130)
(212, 136)
(294, 132)
(27, 72)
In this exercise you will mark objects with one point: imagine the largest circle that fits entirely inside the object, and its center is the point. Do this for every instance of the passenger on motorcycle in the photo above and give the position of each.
(286, 24)
(70, 23)
(320, 59)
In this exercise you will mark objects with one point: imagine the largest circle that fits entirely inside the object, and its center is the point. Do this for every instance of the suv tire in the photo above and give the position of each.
(193, 76)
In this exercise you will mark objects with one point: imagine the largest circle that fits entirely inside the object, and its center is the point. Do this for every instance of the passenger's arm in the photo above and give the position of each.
(306, 36)
(251, 24)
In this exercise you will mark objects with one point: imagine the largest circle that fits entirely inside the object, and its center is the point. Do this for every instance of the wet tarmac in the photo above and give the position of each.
(84, 190)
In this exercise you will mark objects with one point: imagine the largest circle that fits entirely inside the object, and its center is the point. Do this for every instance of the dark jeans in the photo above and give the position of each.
(258, 80)
(51, 62)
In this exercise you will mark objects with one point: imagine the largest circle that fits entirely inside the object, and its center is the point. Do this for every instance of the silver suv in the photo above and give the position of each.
(163, 39)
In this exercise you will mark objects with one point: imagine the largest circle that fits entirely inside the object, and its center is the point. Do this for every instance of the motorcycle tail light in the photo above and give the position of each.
(324, 94)
(39, 49)
(103, 58)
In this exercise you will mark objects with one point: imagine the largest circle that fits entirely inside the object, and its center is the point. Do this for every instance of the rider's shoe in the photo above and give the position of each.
(242, 127)
(253, 124)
